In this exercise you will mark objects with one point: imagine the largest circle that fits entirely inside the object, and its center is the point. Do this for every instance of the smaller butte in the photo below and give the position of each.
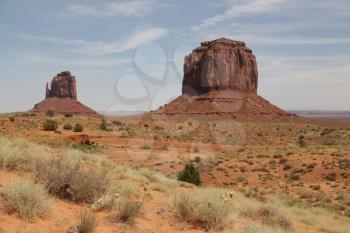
(61, 97)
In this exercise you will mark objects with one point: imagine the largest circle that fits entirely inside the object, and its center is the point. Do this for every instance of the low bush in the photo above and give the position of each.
(78, 128)
(50, 125)
(87, 223)
(66, 179)
(26, 199)
(18, 154)
(269, 215)
(204, 208)
(128, 211)
(104, 126)
(12, 118)
(68, 127)
(190, 174)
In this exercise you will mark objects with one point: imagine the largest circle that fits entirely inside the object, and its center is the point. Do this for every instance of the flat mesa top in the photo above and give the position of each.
(224, 41)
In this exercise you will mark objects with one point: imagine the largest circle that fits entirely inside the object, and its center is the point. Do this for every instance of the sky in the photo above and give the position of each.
(128, 55)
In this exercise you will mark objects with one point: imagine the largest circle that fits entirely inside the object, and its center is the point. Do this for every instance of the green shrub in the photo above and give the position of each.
(87, 223)
(67, 179)
(12, 118)
(104, 126)
(204, 207)
(190, 174)
(78, 128)
(26, 199)
(128, 210)
(50, 113)
(50, 125)
(68, 127)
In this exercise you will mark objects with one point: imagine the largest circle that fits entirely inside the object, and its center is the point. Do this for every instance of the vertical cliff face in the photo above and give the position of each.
(61, 97)
(220, 65)
(62, 86)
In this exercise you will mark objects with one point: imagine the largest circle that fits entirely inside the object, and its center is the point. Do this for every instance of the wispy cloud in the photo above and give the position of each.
(133, 8)
(136, 39)
(252, 7)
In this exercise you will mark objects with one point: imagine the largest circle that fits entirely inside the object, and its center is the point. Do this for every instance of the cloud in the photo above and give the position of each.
(133, 8)
(252, 7)
(136, 39)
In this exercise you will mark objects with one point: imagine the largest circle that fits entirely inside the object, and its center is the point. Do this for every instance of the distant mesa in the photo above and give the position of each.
(61, 97)
(221, 81)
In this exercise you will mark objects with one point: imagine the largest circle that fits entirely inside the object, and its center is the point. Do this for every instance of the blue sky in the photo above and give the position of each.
(128, 55)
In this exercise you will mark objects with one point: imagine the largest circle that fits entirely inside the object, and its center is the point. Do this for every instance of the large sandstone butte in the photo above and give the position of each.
(221, 81)
(61, 98)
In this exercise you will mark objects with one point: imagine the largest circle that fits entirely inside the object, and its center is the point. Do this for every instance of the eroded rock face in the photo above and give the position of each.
(220, 65)
(62, 86)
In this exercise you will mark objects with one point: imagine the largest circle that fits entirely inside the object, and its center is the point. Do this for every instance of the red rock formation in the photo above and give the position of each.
(220, 65)
(62, 86)
(220, 81)
(62, 97)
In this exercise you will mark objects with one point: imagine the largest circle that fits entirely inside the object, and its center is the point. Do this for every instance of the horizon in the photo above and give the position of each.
(120, 51)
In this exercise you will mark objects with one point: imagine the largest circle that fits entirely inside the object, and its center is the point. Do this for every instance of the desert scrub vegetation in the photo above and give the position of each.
(50, 125)
(67, 126)
(190, 174)
(18, 154)
(78, 128)
(205, 208)
(128, 210)
(272, 216)
(26, 199)
(66, 178)
(87, 223)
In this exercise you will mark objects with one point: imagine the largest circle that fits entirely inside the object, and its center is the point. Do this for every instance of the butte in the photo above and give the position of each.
(221, 82)
(61, 97)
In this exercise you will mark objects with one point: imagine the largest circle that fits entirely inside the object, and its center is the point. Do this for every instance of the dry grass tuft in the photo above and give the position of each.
(203, 207)
(26, 199)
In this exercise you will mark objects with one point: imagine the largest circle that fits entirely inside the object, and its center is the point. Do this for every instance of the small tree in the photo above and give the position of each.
(78, 128)
(50, 125)
(190, 174)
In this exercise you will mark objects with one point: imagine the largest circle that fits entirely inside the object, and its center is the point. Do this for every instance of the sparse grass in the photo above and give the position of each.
(204, 208)
(87, 223)
(18, 154)
(26, 199)
(67, 179)
(128, 210)
(271, 216)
